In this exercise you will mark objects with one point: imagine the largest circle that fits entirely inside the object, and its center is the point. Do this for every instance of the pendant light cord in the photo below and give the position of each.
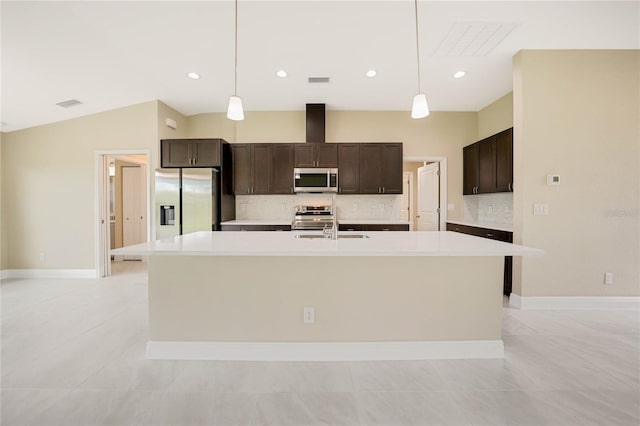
(235, 76)
(417, 44)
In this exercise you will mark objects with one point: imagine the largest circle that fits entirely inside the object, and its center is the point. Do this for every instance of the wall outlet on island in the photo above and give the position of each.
(608, 278)
(42, 256)
(309, 315)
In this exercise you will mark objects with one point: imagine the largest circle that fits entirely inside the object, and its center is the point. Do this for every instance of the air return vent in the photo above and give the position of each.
(474, 38)
(68, 104)
(318, 79)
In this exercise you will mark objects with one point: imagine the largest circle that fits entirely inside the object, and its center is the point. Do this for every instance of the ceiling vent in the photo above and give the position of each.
(474, 38)
(318, 79)
(68, 104)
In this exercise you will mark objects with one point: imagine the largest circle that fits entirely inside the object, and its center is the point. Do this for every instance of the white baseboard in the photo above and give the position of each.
(356, 351)
(575, 302)
(4, 275)
(50, 273)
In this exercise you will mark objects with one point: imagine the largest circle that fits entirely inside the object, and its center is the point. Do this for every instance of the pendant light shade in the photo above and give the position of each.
(235, 112)
(420, 109)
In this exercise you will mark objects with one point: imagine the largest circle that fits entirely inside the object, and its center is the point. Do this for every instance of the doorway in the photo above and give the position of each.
(429, 192)
(122, 204)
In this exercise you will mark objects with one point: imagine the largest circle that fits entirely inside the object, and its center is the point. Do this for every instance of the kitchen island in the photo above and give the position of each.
(391, 295)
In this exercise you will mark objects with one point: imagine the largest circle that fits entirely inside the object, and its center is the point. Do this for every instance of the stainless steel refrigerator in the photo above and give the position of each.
(190, 200)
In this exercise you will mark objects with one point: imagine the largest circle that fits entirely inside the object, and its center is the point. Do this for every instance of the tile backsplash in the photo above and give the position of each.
(494, 208)
(282, 207)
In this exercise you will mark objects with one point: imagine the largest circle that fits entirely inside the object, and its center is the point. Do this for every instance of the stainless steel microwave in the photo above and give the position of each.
(315, 180)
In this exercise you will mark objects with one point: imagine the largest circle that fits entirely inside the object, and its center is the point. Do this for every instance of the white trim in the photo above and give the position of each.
(572, 302)
(4, 275)
(443, 184)
(49, 273)
(411, 212)
(100, 245)
(339, 351)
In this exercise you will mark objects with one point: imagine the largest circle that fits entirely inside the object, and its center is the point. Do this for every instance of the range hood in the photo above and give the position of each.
(315, 123)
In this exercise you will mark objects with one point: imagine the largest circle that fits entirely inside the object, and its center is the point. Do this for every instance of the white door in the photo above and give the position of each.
(406, 210)
(133, 206)
(429, 197)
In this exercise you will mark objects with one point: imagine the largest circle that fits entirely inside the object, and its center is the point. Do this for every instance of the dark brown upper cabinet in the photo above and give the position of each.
(488, 165)
(252, 165)
(316, 155)
(348, 168)
(190, 153)
(504, 161)
(470, 169)
(282, 171)
(380, 168)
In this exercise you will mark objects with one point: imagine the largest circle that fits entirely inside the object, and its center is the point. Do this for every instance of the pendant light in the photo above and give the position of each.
(420, 109)
(235, 111)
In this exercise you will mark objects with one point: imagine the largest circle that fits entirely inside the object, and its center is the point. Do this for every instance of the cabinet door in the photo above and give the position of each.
(504, 161)
(241, 155)
(261, 167)
(470, 169)
(326, 155)
(175, 153)
(348, 168)
(304, 155)
(391, 168)
(282, 172)
(206, 153)
(369, 168)
(487, 165)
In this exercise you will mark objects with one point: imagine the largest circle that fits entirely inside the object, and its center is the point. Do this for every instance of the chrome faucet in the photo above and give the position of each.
(333, 231)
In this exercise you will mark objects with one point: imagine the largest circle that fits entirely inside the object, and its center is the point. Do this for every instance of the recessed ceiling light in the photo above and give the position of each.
(194, 75)
(281, 73)
(371, 73)
(459, 74)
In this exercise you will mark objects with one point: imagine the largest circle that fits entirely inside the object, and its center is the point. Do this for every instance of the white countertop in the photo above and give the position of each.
(488, 225)
(232, 243)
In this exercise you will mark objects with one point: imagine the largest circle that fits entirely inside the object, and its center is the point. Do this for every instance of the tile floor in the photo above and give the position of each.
(73, 354)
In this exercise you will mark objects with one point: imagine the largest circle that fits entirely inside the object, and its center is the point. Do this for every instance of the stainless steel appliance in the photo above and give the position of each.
(312, 218)
(187, 200)
(315, 180)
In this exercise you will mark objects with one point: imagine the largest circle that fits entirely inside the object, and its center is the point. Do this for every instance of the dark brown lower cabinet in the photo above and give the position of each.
(373, 227)
(493, 234)
(238, 227)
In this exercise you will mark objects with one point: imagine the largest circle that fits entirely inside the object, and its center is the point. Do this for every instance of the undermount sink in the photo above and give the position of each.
(325, 237)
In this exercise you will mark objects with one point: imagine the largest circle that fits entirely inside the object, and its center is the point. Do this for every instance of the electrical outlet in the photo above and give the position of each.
(309, 315)
(540, 209)
(42, 256)
(451, 206)
(608, 278)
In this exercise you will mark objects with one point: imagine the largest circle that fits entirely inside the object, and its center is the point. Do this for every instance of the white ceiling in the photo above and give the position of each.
(112, 54)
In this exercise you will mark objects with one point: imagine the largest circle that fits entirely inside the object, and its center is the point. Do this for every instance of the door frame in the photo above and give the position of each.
(101, 201)
(411, 212)
(443, 183)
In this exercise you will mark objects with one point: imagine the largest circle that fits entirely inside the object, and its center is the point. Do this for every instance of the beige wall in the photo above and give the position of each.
(166, 132)
(50, 202)
(576, 114)
(496, 117)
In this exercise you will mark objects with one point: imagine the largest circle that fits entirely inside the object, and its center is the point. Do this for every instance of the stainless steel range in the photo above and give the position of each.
(312, 218)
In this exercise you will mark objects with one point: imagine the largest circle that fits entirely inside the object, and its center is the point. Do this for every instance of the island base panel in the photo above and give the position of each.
(356, 299)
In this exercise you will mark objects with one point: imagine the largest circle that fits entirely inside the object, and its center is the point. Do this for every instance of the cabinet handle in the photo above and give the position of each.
(383, 189)
(489, 235)
(510, 187)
